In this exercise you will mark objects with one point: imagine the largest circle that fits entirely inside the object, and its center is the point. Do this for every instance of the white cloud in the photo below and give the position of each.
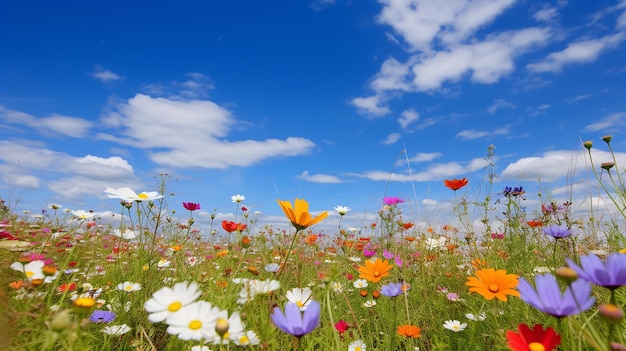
(486, 62)
(391, 139)
(318, 178)
(57, 125)
(577, 98)
(425, 157)
(192, 134)
(408, 117)
(105, 75)
(25, 163)
(546, 14)
(371, 105)
(613, 120)
(419, 22)
(196, 86)
(392, 76)
(471, 134)
(432, 172)
(498, 104)
(577, 52)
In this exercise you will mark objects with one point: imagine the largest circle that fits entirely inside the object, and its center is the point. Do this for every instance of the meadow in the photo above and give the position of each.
(544, 280)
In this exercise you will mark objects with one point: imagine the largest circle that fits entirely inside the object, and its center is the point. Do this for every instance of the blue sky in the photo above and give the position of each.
(339, 102)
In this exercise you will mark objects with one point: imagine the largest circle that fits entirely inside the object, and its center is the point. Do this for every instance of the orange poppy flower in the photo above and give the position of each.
(491, 283)
(16, 285)
(534, 223)
(409, 331)
(455, 184)
(231, 226)
(311, 239)
(374, 271)
(299, 213)
(409, 238)
(477, 263)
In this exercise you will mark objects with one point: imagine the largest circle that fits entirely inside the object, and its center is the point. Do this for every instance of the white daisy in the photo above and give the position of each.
(116, 329)
(369, 303)
(195, 321)
(237, 198)
(357, 345)
(167, 300)
(129, 286)
(342, 210)
(300, 297)
(480, 317)
(360, 283)
(272, 267)
(454, 325)
(81, 214)
(129, 195)
(247, 338)
(227, 329)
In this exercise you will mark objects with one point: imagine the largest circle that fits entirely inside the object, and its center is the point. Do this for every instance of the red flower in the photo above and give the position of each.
(191, 206)
(341, 326)
(455, 184)
(6, 235)
(534, 223)
(231, 226)
(535, 339)
(67, 287)
(407, 225)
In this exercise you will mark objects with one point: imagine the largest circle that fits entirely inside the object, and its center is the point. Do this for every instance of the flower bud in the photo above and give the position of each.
(221, 327)
(607, 138)
(48, 271)
(612, 314)
(587, 144)
(83, 305)
(61, 321)
(607, 165)
(566, 274)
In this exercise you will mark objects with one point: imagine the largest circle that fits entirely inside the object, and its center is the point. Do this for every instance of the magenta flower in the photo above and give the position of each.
(367, 252)
(611, 275)
(191, 206)
(392, 200)
(295, 322)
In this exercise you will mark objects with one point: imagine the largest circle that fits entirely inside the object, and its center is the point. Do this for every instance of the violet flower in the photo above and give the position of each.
(295, 322)
(557, 231)
(392, 289)
(611, 275)
(548, 298)
(99, 316)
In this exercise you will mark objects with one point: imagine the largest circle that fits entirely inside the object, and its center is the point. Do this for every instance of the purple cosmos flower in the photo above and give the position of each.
(367, 252)
(611, 275)
(392, 289)
(191, 206)
(295, 322)
(99, 316)
(557, 231)
(392, 200)
(388, 255)
(547, 297)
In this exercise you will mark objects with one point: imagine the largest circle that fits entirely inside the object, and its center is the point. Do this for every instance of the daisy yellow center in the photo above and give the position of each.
(299, 303)
(143, 196)
(174, 306)
(195, 324)
(493, 288)
(29, 274)
(358, 348)
(536, 346)
(456, 327)
(376, 273)
(129, 287)
(244, 340)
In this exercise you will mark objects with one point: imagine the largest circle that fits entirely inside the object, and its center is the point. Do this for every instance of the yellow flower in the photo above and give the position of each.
(299, 214)
(491, 283)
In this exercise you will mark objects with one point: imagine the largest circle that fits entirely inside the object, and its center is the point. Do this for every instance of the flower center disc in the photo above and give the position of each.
(494, 288)
(195, 324)
(536, 346)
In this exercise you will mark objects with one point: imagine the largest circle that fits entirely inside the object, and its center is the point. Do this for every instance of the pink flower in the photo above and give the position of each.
(497, 236)
(191, 206)
(392, 200)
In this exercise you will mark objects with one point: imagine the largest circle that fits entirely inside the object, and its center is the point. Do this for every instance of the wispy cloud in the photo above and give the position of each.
(578, 52)
(408, 117)
(391, 139)
(318, 178)
(608, 122)
(53, 125)
(105, 75)
(471, 134)
(498, 104)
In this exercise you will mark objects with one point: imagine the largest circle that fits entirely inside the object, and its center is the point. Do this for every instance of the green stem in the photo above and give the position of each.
(293, 241)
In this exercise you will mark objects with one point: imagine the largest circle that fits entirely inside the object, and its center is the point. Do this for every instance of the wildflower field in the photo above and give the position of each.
(546, 280)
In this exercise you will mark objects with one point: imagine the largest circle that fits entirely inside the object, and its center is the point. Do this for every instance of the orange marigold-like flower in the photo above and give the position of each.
(477, 263)
(409, 331)
(491, 283)
(455, 184)
(311, 239)
(374, 271)
(299, 213)
(534, 223)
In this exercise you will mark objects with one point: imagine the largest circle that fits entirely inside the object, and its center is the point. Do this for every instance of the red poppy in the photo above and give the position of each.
(407, 225)
(231, 226)
(535, 339)
(455, 184)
